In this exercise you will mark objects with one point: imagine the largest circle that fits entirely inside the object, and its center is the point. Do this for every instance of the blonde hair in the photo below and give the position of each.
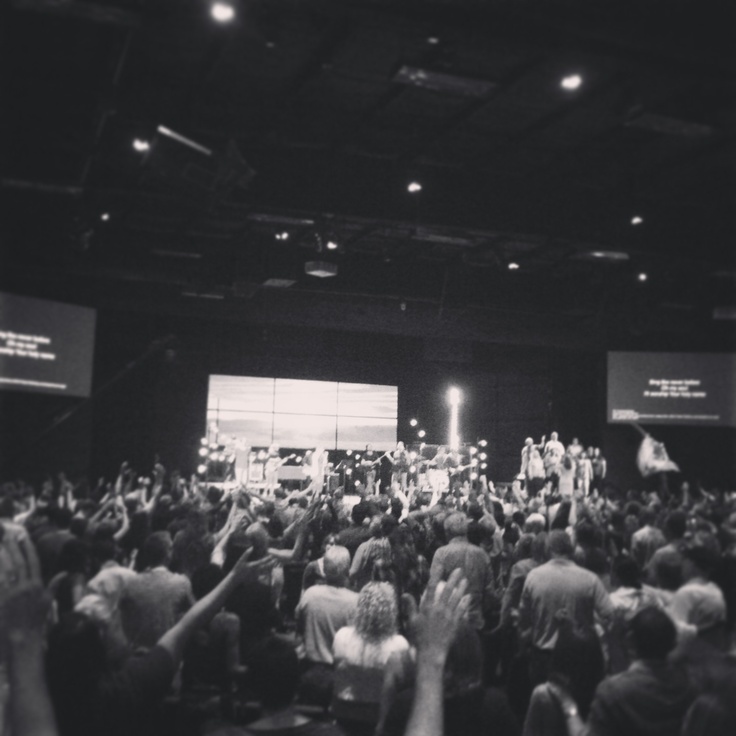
(376, 614)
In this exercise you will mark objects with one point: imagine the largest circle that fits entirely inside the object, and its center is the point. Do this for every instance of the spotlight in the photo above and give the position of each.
(412, 468)
(213, 445)
(213, 456)
(349, 453)
(637, 220)
(433, 40)
(413, 422)
(473, 450)
(348, 471)
(453, 396)
(513, 266)
(357, 456)
(222, 12)
(483, 456)
(474, 463)
(642, 277)
(571, 82)
(203, 451)
(414, 186)
(474, 476)
(298, 458)
(412, 455)
(282, 236)
(483, 466)
(421, 433)
(357, 483)
(105, 216)
(204, 441)
(483, 443)
(201, 469)
(141, 145)
(332, 245)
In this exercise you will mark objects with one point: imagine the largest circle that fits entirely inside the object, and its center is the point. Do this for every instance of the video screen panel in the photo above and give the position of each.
(46, 346)
(303, 413)
(672, 388)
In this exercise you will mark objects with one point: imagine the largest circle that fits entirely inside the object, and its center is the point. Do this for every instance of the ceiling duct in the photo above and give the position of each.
(441, 82)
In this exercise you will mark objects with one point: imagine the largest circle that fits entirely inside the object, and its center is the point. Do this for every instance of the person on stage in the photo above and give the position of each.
(271, 469)
(554, 451)
(400, 464)
(368, 463)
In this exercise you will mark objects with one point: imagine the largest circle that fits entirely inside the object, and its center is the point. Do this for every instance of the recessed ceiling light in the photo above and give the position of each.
(636, 220)
(571, 82)
(642, 276)
(414, 186)
(141, 145)
(222, 12)
(331, 245)
(413, 422)
(421, 433)
(105, 216)
(513, 266)
(433, 40)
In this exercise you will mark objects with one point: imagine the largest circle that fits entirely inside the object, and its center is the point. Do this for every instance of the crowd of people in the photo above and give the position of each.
(555, 606)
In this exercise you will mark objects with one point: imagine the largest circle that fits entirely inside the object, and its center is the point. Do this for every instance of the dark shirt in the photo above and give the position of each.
(649, 699)
(353, 537)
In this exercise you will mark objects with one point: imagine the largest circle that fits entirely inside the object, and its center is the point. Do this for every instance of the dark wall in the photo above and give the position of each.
(150, 396)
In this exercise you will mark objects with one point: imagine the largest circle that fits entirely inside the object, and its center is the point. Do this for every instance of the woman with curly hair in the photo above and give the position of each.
(361, 652)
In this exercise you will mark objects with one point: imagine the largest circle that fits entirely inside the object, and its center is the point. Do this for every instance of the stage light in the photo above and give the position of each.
(357, 456)
(204, 441)
(262, 455)
(298, 458)
(282, 236)
(483, 466)
(483, 456)
(222, 12)
(203, 451)
(453, 397)
(642, 277)
(474, 463)
(332, 245)
(571, 82)
(141, 145)
(474, 476)
(105, 216)
(213, 445)
(414, 187)
(433, 40)
(636, 220)
(413, 422)
(221, 457)
(348, 471)
(473, 450)
(201, 469)
(349, 453)
(422, 445)
(412, 468)
(513, 266)
(357, 483)
(483, 443)
(213, 456)
(412, 455)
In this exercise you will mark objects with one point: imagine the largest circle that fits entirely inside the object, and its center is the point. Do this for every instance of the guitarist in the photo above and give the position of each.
(400, 466)
(368, 463)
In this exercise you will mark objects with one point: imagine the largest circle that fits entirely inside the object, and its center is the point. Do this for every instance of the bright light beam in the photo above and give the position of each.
(453, 398)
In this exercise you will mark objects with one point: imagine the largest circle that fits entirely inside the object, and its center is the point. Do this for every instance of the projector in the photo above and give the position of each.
(320, 268)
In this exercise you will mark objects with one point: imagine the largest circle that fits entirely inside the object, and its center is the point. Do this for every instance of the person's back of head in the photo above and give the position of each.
(626, 572)
(359, 513)
(647, 516)
(456, 525)
(676, 525)
(652, 634)
(559, 544)
(336, 565)
(274, 674)
(155, 552)
(540, 548)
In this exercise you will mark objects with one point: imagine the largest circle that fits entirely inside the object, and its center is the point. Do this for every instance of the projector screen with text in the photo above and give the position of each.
(303, 414)
(45, 346)
(672, 388)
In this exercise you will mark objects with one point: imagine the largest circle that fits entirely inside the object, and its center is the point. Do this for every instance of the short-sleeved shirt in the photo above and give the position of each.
(560, 585)
(323, 610)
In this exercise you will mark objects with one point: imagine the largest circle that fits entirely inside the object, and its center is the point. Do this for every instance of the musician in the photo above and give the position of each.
(400, 463)
(368, 463)
(272, 465)
(315, 465)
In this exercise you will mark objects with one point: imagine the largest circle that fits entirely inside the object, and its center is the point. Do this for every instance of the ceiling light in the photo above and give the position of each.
(483, 443)
(413, 422)
(483, 466)
(642, 276)
(415, 186)
(282, 236)
(571, 82)
(105, 216)
(433, 40)
(141, 145)
(636, 220)
(513, 266)
(222, 12)
(421, 433)
(201, 469)
(331, 245)
(322, 269)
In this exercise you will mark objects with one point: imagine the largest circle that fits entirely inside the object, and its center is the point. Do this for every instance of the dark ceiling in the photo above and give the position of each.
(312, 117)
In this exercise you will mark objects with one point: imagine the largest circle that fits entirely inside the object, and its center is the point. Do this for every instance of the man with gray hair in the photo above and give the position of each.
(556, 590)
(324, 609)
(473, 561)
